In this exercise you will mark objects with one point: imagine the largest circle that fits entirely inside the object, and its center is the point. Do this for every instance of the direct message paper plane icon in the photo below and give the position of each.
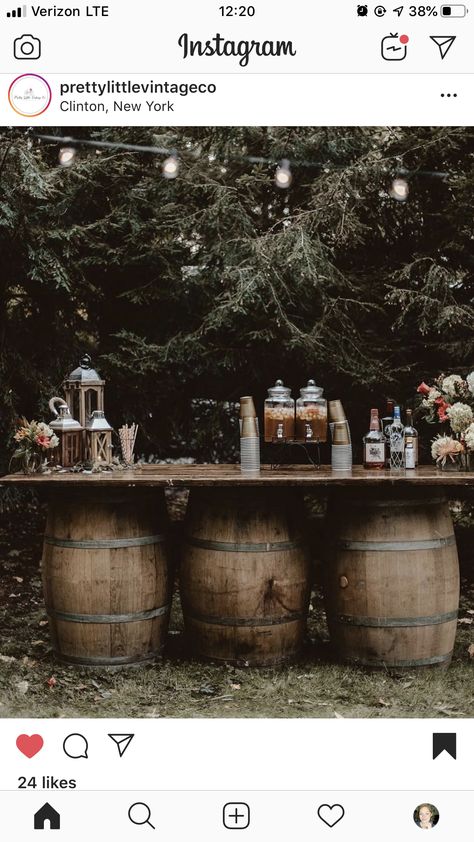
(122, 741)
(444, 42)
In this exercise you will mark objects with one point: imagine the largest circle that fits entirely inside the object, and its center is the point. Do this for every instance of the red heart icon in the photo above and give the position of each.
(29, 745)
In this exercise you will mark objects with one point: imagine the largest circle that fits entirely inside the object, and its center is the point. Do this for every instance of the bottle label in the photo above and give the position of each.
(374, 452)
(410, 459)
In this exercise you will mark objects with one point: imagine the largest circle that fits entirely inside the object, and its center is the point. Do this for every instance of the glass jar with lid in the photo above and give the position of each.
(311, 414)
(279, 414)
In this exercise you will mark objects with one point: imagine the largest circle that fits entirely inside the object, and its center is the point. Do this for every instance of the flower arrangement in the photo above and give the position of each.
(34, 439)
(450, 401)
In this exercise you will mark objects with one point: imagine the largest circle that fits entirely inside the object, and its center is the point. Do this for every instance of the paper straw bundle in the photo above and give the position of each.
(128, 437)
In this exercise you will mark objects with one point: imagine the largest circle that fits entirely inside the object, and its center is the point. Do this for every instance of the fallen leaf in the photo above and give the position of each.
(43, 623)
(470, 650)
(7, 659)
(384, 703)
(338, 715)
(22, 687)
(20, 579)
(467, 621)
(51, 682)
(235, 686)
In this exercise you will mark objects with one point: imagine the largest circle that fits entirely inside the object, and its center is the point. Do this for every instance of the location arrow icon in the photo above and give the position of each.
(122, 741)
(444, 43)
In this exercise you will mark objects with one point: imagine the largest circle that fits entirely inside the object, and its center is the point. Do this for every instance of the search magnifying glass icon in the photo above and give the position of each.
(140, 813)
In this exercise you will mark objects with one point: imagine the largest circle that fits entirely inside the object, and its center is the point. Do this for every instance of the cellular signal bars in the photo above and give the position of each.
(19, 12)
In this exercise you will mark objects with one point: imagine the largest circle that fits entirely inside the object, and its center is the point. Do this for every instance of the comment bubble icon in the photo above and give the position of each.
(76, 746)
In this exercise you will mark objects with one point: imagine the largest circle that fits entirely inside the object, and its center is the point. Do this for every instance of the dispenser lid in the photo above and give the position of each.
(279, 390)
(311, 391)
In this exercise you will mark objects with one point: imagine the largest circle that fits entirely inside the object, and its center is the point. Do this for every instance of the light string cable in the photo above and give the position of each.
(283, 175)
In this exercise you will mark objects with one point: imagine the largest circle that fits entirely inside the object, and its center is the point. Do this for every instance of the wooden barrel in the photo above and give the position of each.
(392, 579)
(106, 576)
(244, 576)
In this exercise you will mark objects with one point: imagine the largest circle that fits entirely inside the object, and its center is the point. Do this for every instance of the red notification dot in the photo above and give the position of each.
(404, 39)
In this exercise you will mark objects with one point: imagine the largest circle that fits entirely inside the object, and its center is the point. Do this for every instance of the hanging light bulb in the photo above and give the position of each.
(399, 189)
(67, 156)
(170, 167)
(283, 176)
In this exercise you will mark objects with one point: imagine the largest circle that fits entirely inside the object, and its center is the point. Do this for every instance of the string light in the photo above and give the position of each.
(283, 176)
(170, 166)
(399, 189)
(67, 156)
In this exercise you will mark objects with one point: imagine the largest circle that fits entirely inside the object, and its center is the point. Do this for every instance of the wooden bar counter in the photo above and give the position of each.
(391, 567)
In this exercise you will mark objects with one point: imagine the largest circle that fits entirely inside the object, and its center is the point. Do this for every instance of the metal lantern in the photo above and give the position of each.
(69, 432)
(98, 438)
(84, 391)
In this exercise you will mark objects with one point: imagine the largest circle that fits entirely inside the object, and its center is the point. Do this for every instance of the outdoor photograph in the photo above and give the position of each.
(237, 422)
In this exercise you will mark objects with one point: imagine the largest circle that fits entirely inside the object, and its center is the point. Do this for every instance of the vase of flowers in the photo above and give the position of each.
(34, 441)
(450, 402)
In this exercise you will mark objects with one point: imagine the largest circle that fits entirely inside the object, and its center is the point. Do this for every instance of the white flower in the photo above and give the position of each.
(452, 385)
(469, 437)
(470, 382)
(460, 417)
(444, 448)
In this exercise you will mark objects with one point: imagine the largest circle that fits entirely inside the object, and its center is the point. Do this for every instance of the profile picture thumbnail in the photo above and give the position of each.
(426, 816)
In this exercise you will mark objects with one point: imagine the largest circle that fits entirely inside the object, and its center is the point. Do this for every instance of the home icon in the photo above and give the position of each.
(47, 814)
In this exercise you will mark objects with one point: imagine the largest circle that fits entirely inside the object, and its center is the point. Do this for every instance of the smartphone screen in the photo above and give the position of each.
(237, 421)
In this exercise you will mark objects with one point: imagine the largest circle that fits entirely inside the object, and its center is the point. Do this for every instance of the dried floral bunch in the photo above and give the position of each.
(34, 439)
(450, 401)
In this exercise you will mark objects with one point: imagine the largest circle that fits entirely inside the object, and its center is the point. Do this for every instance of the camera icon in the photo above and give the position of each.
(27, 47)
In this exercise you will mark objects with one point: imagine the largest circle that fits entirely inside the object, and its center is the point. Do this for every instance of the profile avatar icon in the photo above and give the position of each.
(426, 816)
(362, 11)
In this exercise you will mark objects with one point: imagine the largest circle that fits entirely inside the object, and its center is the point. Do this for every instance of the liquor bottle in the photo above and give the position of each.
(387, 420)
(374, 443)
(397, 440)
(409, 453)
(410, 432)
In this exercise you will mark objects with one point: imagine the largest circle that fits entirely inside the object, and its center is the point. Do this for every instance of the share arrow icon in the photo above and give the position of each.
(122, 741)
(444, 43)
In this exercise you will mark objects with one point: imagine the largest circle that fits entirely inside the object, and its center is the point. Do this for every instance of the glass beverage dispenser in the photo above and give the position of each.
(279, 414)
(311, 414)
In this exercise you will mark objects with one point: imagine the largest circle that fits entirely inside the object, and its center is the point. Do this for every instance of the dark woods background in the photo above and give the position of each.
(217, 283)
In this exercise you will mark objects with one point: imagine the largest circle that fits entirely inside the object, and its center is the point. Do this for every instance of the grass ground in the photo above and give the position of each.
(32, 684)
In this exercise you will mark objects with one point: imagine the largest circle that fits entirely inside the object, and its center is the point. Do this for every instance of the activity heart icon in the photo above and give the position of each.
(331, 814)
(29, 745)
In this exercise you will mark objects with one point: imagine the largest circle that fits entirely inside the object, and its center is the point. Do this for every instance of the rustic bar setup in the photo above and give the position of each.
(391, 569)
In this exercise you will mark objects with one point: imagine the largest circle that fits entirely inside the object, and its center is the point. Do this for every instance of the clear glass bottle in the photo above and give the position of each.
(311, 414)
(374, 444)
(279, 414)
(410, 432)
(386, 421)
(397, 441)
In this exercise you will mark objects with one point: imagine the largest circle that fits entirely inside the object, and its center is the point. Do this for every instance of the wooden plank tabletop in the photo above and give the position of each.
(187, 476)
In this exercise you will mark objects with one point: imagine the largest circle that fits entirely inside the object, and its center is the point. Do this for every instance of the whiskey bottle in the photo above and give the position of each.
(374, 444)
(410, 432)
(397, 441)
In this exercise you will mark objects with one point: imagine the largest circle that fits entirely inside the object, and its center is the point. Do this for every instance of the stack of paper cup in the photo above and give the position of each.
(341, 450)
(249, 437)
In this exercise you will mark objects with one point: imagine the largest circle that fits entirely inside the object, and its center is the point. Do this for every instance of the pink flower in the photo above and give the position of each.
(442, 407)
(423, 389)
(42, 441)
